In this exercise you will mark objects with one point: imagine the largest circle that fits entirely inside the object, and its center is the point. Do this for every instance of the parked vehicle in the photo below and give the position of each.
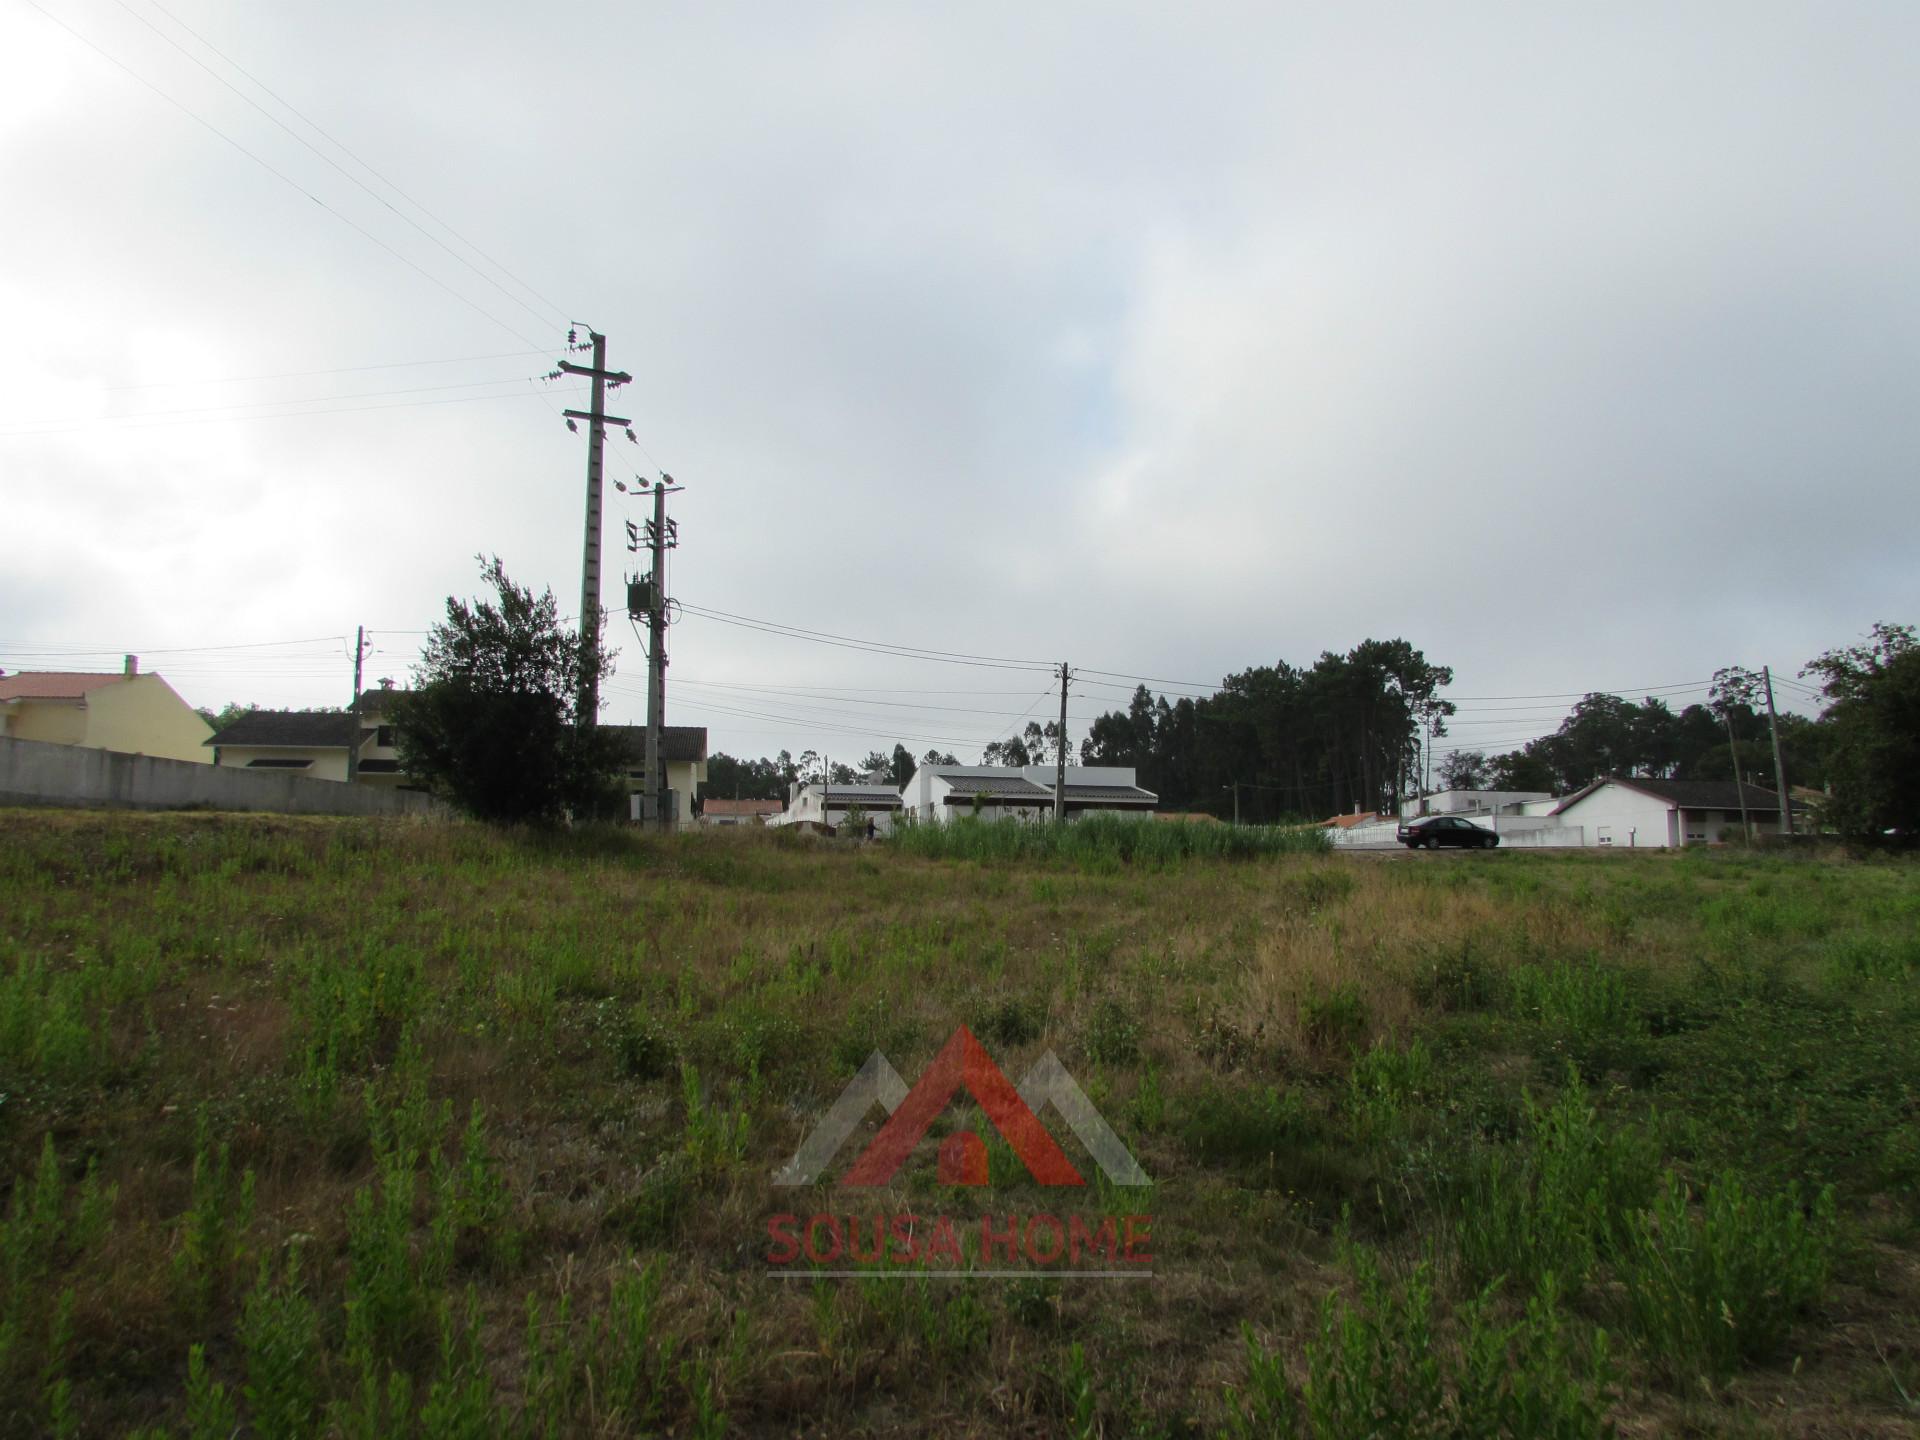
(1429, 832)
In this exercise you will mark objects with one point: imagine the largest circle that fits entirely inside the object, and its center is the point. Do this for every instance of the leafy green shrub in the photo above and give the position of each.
(1552, 1205)
(1012, 1020)
(645, 1048)
(1111, 1035)
(213, 1229)
(1382, 1085)
(715, 1139)
(1458, 979)
(1377, 1369)
(1853, 958)
(1584, 1010)
(1247, 1126)
(639, 1359)
(1334, 1019)
(1708, 1291)
(460, 1402)
(280, 1337)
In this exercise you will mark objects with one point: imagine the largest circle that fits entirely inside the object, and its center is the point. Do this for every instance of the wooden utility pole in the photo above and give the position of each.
(1779, 765)
(353, 743)
(1060, 759)
(597, 420)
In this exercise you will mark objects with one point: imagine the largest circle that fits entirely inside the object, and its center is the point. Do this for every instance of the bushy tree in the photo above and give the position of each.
(1873, 716)
(1464, 770)
(492, 722)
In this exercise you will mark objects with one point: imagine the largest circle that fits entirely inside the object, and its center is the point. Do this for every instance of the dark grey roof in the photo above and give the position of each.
(870, 797)
(301, 729)
(679, 744)
(1689, 794)
(967, 786)
(376, 700)
(1110, 794)
(1018, 789)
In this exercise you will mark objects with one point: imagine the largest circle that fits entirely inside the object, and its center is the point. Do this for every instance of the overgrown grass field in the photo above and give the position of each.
(384, 1129)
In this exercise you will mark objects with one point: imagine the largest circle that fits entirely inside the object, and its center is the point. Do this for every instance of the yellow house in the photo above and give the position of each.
(379, 758)
(130, 712)
(683, 755)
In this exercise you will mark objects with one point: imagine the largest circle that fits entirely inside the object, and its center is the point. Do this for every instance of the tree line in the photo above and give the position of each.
(491, 724)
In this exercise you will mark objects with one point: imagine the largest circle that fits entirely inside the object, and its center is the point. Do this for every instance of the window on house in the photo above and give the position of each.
(383, 736)
(278, 763)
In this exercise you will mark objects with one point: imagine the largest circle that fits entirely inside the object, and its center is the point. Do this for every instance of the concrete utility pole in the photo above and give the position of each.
(662, 535)
(1779, 765)
(597, 420)
(1060, 762)
(353, 745)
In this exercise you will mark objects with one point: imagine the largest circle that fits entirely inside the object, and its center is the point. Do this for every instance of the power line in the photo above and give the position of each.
(557, 311)
(873, 647)
(338, 370)
(268, 404)
(284, 415)
(280, 175)
(891, 704)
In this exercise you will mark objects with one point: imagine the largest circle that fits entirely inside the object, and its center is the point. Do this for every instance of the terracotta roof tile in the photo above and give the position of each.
(54, 684)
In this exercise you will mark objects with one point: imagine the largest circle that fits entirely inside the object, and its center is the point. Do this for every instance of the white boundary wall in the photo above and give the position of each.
(33, 772)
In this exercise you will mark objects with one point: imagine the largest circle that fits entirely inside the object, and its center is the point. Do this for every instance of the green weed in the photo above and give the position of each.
(1709, 1290)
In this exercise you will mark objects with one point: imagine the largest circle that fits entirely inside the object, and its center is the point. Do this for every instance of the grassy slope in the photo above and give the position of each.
(1336, 1068)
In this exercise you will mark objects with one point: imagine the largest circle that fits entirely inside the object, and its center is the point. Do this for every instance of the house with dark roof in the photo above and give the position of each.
(126, 710)
(379, 759)
(312, 743)
(683, 755)
(938, 793)
(1632, 812)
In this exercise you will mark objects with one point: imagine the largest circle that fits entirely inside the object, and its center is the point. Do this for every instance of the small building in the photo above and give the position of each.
(124, 710)
(1472, 802)
(379, 760)
(938, 793)
(683, 755)
(834, 805)
(717, 812)
(1659, 814)
(312, 743)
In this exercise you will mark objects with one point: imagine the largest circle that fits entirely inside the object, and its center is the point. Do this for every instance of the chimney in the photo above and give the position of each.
(133, 666)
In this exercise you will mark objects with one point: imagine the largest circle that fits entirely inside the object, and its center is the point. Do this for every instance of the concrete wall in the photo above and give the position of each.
(33, 773)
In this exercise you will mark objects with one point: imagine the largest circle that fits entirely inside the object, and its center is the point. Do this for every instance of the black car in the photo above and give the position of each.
(1431, 831)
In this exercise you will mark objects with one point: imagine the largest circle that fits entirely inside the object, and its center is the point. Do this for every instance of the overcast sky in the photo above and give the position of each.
(1575, 345)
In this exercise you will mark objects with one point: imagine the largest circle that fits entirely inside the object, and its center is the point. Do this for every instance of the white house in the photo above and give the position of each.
(865, 800)
(1666, 813)
(937, 793)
